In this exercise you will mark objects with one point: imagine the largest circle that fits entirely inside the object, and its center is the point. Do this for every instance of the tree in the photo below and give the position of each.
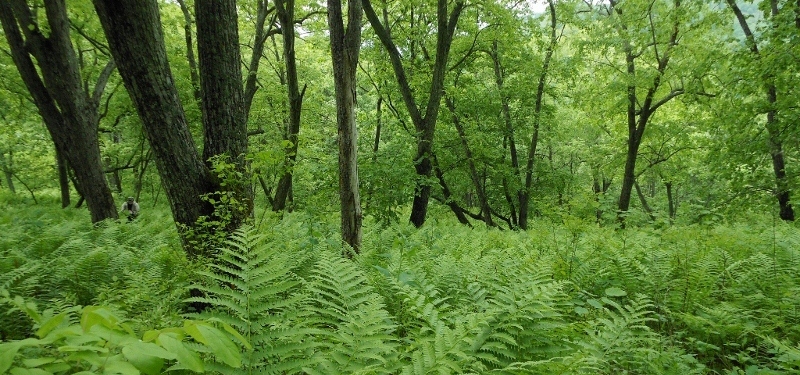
(68, 108)
(773, 126)
(345, 47)
(424, 124)
(135, 37)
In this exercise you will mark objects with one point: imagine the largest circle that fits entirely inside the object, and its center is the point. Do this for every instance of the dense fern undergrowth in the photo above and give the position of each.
(562, 298)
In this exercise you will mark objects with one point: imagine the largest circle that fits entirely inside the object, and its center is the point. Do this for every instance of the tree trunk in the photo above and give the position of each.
(63, 179)
(524, 194)
(425, 125)
(645, 206)
(8, 172)
(286, 18)
(486, 211)
(670, 201)
(133, 30)
(69, 113)
(638, 118)
(782, 191)
(345, 47)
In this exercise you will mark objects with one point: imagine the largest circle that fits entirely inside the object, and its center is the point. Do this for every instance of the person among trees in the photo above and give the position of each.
(130, 208)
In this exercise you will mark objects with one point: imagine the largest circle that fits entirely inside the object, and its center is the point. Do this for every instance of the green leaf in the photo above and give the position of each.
(222, 346)
(120, 367)
(51, 324)
(581, 310)
(9, 350)
(36, 362)
(596, 304)
(615, 292)
(29, 371)
(186, 357)
(235, 333)
(147, 357)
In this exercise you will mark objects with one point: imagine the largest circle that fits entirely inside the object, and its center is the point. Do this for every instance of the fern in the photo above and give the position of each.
(254, 291)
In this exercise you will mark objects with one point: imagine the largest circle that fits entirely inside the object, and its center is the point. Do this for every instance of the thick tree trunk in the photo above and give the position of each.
(345, 47)
(224, 127)
(69, 113)
(133, 30)
(63, 179)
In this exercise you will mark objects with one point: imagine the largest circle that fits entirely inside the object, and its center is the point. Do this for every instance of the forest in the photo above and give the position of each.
(399, 187)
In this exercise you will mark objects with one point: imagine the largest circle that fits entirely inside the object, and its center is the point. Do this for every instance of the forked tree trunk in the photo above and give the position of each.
(345, 47)
(135, 37)
(424, 124)
(69, 113)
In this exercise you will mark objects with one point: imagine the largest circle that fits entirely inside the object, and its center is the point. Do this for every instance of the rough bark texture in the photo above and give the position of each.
(63, 179)
(133, 30)
(345, 47)
(7, 163)
(425, 125)
(69, 112)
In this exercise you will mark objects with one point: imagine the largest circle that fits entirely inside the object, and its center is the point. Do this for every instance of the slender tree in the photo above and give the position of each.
(773, 127)
(423, 118)
(345, 47)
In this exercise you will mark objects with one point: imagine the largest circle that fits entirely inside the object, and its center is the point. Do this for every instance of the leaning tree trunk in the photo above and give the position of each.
(345, 46)
(69, 113)
(133, 30)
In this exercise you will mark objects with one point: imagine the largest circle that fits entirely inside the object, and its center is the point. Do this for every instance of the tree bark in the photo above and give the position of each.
(345, 48)
(69, 112)
(670, 201)
(425, 125)
(187, 32)
(285, 11)
(133, 30)
(645, 206)
(63, 179)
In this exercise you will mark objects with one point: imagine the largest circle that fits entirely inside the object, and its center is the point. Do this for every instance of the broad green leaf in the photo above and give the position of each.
(36, 362)
(9, 350)
(581, 310)
(222, 346)
(238, 335)
(596, 304)
(147, 357)
(186, 357)
(118, 366)
(51, 324)
(29, 371)
(615, 292)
